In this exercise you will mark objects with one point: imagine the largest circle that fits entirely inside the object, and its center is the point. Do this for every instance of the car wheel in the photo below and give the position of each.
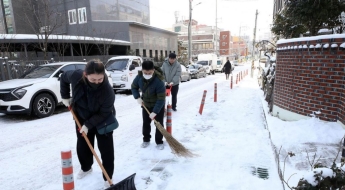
(197, 76)
(44, 105)
(189, 78)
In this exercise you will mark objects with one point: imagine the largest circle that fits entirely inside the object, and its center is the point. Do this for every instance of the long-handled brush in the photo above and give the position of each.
(175, 146)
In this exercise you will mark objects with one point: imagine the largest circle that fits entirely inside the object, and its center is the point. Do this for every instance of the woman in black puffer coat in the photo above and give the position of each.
(93, 102)
(227, 68)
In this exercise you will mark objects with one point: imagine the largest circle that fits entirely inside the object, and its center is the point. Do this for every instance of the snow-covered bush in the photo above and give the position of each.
(322, 178)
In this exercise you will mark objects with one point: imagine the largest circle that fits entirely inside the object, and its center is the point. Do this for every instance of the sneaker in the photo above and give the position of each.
(160, 146)
(174, 109)
(106, 185)
(145, 144)
(82, 174)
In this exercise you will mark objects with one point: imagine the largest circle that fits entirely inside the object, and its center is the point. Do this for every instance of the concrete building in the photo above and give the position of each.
(205, 39)
(119, 20)
(278, 6)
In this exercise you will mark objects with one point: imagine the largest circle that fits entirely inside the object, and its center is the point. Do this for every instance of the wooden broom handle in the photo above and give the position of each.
(91, 148)
(148, 112)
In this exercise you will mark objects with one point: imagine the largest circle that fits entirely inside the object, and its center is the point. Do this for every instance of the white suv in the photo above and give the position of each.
(37, 91)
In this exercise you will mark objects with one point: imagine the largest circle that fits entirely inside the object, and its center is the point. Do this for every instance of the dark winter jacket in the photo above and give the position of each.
(93, 106)
(227, 67)
(153, 90)
(171, 72)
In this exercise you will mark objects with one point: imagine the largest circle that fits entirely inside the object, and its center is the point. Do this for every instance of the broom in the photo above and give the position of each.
(175, 146)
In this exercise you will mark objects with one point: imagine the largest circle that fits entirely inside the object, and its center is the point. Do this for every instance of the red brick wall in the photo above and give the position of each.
(311, 79)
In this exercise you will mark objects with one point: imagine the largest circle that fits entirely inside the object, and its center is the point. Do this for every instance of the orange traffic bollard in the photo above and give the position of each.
(215, 92)
(67, 170)
(202, 102)
(169, 121)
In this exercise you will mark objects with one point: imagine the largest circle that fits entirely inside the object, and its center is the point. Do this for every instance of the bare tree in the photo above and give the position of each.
(105, 43)
(44, 20)
(83, 32)
(5, 48)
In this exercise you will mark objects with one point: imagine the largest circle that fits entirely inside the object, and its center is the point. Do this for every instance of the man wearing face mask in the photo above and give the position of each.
(150, 82)
(92, 102)
(172, 74)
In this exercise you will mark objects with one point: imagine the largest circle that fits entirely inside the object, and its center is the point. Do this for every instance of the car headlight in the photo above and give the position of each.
(20, 92)
(124, 78)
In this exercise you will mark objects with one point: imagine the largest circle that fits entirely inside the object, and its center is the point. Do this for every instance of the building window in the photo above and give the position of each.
(82, 15)
(150, 53)
(177, 28)
(223, 43)
(211, 46)
(72, 16)
(144, 52)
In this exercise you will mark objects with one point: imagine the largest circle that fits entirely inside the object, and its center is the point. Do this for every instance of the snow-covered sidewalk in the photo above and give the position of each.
(230, 137)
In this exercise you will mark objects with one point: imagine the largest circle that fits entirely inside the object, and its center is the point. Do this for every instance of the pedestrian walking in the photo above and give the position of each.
(227, 68)
(93, 103)
(172, 74)
(150, 82)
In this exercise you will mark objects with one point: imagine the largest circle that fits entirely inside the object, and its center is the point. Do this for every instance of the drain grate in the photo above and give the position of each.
(260, 172)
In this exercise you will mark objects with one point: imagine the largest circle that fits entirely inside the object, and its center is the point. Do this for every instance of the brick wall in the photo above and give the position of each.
(311, 76)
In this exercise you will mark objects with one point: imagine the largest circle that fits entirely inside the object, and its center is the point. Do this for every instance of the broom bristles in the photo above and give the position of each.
(175, 146)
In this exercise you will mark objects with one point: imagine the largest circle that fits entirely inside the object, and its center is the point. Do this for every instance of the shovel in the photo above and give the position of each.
(126, 184)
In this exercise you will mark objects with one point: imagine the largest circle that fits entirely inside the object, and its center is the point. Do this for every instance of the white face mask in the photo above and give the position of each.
(147, 77)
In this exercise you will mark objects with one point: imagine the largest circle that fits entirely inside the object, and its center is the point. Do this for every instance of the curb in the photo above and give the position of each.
(272, 145)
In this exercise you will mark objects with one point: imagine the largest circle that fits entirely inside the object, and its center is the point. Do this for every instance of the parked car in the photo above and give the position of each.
(197, 71)
(235, 62)
(37, 91)
(123, 70)
(209, 62)
(185, 76)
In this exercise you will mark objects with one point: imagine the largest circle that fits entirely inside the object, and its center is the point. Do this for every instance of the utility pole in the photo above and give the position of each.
(252, 68)
(190, 32)
(256, 19)
(216, 33)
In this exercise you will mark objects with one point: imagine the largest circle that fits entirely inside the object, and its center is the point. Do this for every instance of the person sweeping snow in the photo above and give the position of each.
(151, 84)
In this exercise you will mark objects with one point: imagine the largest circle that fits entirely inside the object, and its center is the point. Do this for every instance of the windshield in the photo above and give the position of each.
(193, 67)
(40, 72)
(116, 65)
(202, 62)
(219, 63)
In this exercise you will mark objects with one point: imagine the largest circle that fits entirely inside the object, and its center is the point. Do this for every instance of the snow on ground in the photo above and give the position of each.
(230, 138)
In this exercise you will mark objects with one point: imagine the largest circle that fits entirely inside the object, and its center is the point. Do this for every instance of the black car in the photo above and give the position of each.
(197, 71)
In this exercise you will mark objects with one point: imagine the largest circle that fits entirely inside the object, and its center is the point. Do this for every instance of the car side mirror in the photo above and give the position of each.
(59, 77)
(131, 67)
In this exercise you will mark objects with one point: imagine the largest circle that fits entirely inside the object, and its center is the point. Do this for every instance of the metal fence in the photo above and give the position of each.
(11, 69)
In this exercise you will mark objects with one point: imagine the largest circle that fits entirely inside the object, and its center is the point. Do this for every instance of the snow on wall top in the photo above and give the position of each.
(59, 37)
(283, 41)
